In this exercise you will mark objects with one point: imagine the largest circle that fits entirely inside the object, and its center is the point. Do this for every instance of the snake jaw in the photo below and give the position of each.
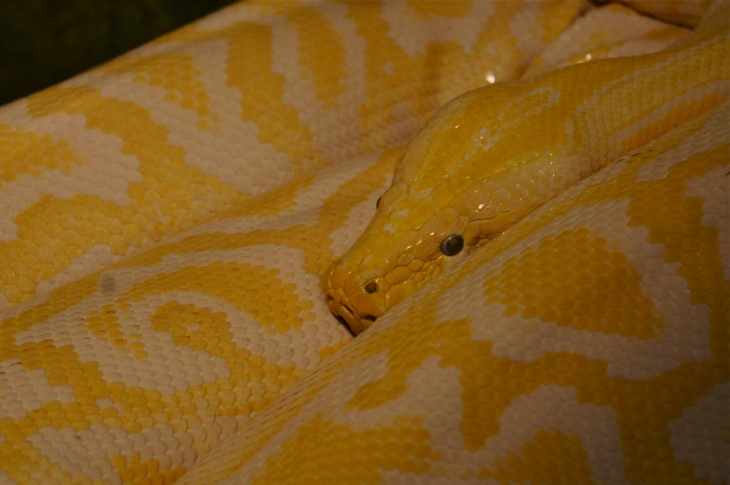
(334, 302)
(359, 300)
(359, 310)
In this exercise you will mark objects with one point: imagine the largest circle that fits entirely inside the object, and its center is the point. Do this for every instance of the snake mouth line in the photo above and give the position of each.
(340, 309)
(357, 323)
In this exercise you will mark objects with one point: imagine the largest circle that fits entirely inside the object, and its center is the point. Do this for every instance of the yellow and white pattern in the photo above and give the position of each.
(167, 221)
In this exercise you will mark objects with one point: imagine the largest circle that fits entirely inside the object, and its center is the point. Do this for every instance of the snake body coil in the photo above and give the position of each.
(492, 156)
(169, 221)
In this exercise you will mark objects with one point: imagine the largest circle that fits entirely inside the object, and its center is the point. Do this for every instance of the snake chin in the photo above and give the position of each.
(339, 306)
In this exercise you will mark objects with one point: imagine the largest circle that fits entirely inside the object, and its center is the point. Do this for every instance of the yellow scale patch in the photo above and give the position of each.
(33, 154)
(443, 66)
(202, 329)
(256, 290)
(490, 384)
(506, 380)
(347, 455)
(168, 199)
(550, 459)
(262, 90)
(574, 279)
(176, 73)
(253, 383)
(322, 55)
(671, 119)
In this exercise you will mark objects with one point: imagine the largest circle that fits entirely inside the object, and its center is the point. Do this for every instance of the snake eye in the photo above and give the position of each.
(452, 245)
(377, 203)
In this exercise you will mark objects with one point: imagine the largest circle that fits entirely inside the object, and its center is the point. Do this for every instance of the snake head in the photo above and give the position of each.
(421, 227)
(465, 177)
(408, 243)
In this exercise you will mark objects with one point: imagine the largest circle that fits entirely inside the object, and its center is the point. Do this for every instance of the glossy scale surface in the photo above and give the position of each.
(167, 221)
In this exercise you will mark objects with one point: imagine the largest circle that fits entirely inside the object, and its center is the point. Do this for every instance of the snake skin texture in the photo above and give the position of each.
(168, 221)
(493, 155)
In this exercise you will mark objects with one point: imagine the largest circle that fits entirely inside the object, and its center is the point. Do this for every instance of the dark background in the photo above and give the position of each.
(43, 42)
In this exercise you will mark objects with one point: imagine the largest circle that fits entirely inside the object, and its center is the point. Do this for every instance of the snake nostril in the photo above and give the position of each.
(368, 318)
(371, 287)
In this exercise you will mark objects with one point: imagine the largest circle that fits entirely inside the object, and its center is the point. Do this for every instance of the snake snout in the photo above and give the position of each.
(354, 285)
(341, 309)
(342, 306)
(358, 301)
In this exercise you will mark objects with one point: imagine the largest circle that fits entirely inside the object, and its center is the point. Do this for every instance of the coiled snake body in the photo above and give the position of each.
(547, 272)
(491, 156)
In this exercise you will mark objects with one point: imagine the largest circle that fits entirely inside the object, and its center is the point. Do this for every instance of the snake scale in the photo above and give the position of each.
(543, 264)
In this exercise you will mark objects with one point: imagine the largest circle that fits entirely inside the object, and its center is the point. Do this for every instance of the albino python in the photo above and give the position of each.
(175, 226)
